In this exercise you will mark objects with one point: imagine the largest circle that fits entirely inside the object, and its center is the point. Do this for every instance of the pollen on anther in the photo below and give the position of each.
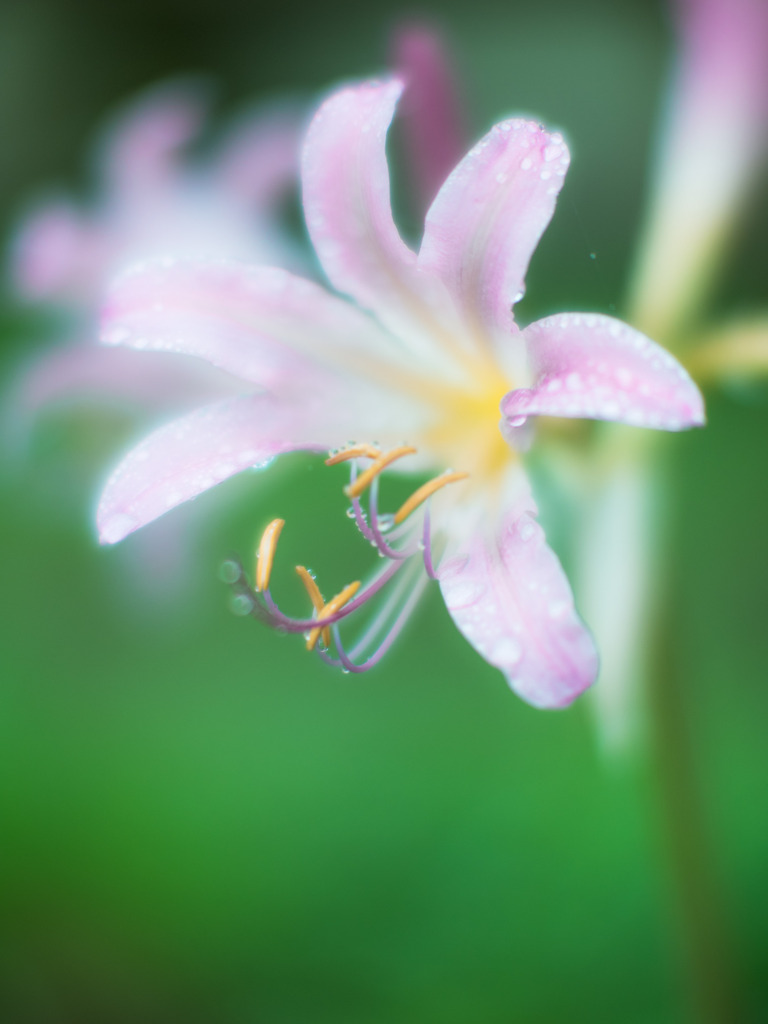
(334, 605)
(425, 491)
(357, 451)
(354, 490)
(266, 553)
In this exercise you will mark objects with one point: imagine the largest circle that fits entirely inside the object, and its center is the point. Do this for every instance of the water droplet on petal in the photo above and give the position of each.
(557, 609)
(518, 421)
(526, 530)
(506, 651)
(117, 336)
(463, 594)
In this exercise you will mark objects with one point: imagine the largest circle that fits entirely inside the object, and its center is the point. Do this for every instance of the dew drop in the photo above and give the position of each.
(557, 609)
(518, 421)
(118, 527)
(117, 336)
(526, 530)
(386, 522)
(229, 572)
(350, 513)
(506, 651)
(241, 604)
(463, 594)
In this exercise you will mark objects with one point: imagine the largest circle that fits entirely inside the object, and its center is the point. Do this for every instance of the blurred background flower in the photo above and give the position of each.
(201, 824)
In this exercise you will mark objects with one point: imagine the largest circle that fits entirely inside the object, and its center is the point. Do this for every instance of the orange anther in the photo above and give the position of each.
(425, 491)
(334, 605)
(356, 489)
(358, 451)
(266, 554)
(315, 597)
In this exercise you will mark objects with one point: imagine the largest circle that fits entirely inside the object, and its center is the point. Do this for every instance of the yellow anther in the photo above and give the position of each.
(333, 606)
(358, 451)
(356, 489)
(426, 491)
(266, 555)
(315, 597)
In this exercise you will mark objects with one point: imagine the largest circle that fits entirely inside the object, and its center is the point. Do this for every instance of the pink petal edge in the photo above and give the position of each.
(596, 367)
(262, 324)
(510, 598)
(192, 454)
(346, 192)
(488, 217)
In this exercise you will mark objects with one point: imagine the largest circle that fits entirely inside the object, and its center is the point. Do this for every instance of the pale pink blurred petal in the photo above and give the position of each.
(155, 383)
(190, 455)
(587, 365)
(488, 217)
(258, 160)
(430, 112)
(715, 142)
(57, 254)
(263, 324)
(507, 593)
(141, 149)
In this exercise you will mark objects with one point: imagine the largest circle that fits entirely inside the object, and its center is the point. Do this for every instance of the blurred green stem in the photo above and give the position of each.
(702, 921)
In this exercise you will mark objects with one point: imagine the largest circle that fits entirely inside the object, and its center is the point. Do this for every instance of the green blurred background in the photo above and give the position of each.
(200, 822)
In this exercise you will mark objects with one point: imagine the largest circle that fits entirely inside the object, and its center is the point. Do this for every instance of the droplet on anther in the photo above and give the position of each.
(241, 604)
(229, 572)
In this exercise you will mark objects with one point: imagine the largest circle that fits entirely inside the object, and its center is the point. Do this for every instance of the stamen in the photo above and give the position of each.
(315, 597)
(354, 490)
(334, 605)
(358, 451)
(266, 555)
(424, 492)
(426, 540)
(344, 660)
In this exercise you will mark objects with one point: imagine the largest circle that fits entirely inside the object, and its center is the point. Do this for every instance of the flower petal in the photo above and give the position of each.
(86, 372)
(508, 595)
(259, 159)
(144, 142)
(431, 114)
(592, 366)
(262, 324)
(190, 455)
(489, 216)
(57, 253)
(345, 182)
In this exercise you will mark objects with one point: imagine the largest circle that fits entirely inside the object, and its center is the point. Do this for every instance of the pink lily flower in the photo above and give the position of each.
(414, 368)
(152, 200)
